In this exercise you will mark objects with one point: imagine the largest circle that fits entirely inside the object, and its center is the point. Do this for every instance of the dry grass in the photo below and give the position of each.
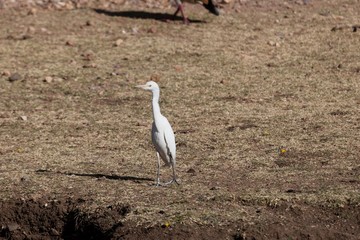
(237, 89)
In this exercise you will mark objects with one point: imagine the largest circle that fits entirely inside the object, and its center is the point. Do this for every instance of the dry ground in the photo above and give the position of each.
(264, 101)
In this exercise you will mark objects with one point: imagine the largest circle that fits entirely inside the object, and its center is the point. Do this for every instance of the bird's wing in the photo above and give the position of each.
(169, 139)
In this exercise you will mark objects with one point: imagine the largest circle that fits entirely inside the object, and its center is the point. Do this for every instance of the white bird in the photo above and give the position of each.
(162, 134)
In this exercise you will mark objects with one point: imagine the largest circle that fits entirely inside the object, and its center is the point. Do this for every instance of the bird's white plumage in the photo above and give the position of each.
(162, 134)
(164, 140)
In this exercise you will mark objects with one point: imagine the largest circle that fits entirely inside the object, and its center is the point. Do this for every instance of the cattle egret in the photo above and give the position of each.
(162, 134)
(208, 4)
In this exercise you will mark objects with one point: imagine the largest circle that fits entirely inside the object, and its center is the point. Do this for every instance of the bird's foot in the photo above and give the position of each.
(174, 180)
(186, 21)
(158, 183)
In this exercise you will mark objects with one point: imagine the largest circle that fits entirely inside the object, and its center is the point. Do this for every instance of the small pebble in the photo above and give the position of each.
(118, 42)
(15, 77)
(24, 118)
(6, 73)
(48, 79)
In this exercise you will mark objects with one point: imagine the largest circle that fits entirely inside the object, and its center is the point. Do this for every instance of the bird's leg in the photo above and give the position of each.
(174, 176)
(185, 19)
(177, 11)
(180, 8)
(158, 170)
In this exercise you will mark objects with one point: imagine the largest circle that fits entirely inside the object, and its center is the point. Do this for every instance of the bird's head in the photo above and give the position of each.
(150, 86)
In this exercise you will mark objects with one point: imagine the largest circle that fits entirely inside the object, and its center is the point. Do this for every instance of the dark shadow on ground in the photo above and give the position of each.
(144, 15)
(97, 175)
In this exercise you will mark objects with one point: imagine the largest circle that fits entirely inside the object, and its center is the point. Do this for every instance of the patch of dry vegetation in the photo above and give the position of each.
(237, 89)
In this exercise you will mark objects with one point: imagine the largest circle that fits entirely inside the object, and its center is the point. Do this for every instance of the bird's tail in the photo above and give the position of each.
(209, 5)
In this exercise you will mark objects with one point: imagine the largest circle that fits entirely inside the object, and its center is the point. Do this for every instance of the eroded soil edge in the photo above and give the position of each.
(68, 219)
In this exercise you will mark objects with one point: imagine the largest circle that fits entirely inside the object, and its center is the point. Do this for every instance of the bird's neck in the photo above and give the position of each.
(155, 105)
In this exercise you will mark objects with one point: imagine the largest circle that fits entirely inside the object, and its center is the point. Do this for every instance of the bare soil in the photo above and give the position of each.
(264, 101)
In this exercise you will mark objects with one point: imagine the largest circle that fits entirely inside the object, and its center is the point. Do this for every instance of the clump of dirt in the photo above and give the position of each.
(32, 219)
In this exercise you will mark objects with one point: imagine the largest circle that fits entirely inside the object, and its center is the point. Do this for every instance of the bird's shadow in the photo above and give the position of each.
(144, 15)
(97, 175)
